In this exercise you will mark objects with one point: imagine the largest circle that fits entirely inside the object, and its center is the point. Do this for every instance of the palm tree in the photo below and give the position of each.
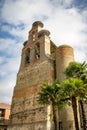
(50, 95)
(73, 89)
(78, 70)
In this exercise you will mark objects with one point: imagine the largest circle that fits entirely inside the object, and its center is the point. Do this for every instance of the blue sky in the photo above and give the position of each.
(65, 19)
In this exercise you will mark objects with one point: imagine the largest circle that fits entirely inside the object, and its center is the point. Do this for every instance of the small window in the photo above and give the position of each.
(37, 51)
(27, 57)
(60, 125)
(2, 112)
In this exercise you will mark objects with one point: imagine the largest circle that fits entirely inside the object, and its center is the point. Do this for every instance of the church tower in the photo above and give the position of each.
(41, 61)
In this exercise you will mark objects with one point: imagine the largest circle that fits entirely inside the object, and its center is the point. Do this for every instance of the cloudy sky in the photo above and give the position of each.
(65, 19)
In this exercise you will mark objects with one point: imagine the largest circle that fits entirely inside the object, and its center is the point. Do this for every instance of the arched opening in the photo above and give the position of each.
(27, 56)
(37, 51)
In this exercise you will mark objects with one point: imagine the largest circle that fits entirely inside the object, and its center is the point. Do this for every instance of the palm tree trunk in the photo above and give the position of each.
(83, 115)
(54, 117)
(74, 107)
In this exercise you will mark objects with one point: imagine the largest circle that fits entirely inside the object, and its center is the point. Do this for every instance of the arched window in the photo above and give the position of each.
(27, 56)
(37, 51)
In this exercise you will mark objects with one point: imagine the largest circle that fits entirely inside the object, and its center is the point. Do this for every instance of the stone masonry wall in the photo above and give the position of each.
(26, 113)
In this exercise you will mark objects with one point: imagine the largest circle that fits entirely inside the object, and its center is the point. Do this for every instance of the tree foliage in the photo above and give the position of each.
(79, 70)
(74, 89)
(51, 95)
(71, 90)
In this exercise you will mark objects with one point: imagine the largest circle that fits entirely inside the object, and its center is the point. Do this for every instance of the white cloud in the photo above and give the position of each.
(10, 46)
(8, 72)
(80, 55)
(1, 59)
(9, 65)
(6, 87)
(68, 1)
(67, 26)
(24, 11)
(5, 43)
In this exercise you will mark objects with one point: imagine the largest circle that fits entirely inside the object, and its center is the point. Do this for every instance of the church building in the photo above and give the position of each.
(41, 61)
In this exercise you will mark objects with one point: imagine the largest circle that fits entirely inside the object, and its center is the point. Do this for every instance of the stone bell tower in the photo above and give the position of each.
(37, 67)
(41, 61)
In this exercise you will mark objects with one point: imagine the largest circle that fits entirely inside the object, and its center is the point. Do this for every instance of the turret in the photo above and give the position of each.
(37, 47)
(33, 33)
(64, 55)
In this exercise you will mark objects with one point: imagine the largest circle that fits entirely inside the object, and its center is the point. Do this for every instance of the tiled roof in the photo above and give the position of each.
(4, 105)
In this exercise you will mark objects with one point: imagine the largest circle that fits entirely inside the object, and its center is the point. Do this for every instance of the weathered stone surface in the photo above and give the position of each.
(26, 113)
